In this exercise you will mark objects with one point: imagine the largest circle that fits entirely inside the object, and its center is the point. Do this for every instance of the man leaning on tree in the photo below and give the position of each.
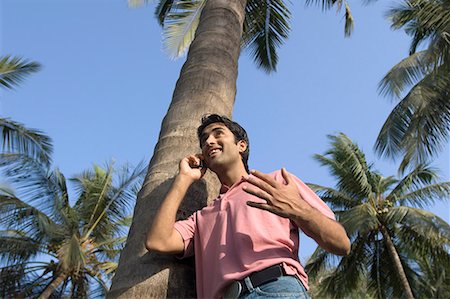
(246, 241)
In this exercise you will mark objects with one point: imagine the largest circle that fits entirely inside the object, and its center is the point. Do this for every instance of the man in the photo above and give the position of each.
(246, 242)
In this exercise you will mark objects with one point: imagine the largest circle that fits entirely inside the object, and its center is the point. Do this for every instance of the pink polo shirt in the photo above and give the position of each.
(230, 240)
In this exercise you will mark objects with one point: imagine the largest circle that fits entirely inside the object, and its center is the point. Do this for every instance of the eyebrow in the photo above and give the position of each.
(202, 137)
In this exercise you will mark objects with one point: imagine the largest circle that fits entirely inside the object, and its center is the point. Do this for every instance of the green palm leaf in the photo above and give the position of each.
(420, 123)
(426, 195)
(266, 27)
(101, 203)
(421, 19)
(16, 138)
(419, 126)
(162, 9)
(180, 23)
(337, 199)
(35, 183)
(434, 230)
(328, 4)
(347, 274)
(348, 164)
(20, 216)
(422, 175)
(360, 219)
(406, 73)
(17, 246)
(13, 70)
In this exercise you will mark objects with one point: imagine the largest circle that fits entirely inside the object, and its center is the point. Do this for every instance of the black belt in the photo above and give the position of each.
(258, 278)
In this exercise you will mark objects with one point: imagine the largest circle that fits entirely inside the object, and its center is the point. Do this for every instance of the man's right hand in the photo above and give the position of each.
(191, 167)
(162, 236)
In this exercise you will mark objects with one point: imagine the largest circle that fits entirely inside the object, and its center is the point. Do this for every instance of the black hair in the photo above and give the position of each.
(238, 132)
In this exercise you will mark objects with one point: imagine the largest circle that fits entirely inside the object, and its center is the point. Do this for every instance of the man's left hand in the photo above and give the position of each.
(282, 199)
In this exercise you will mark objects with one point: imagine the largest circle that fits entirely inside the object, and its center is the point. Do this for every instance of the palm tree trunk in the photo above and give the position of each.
(53, 285)
(207, 84)
(397, 263)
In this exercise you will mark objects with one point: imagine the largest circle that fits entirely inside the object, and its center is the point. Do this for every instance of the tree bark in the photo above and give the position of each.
(49, 289)
(207, 84)
(397, 263)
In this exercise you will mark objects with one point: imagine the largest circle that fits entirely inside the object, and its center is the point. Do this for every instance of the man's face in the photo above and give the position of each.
(219, 148)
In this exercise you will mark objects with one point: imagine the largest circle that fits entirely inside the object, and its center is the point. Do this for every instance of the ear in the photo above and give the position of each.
(242, 145)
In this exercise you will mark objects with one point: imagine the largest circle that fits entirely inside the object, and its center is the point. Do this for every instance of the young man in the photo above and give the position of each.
(246, 242)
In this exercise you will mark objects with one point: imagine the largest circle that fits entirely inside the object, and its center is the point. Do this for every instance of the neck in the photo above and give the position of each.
(231, 175)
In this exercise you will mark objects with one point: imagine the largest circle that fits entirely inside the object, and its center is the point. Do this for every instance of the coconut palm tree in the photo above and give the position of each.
(419, 125)
(49, 245)
(392, 237)
(214, 31)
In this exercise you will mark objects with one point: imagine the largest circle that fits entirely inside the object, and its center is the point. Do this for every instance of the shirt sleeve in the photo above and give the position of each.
(186, 228)
(310, 196)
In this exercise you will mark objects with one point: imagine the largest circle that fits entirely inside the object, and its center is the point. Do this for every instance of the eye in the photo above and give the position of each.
(218, 132)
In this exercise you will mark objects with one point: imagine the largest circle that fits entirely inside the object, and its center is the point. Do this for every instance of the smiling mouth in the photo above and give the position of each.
(214, 151)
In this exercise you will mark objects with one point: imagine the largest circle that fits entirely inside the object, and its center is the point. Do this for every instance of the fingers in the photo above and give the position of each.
(265, 207)
(286, 175)
(258, 192)
(262, 206)
(260, 184)
(265, 177)
(195, 160)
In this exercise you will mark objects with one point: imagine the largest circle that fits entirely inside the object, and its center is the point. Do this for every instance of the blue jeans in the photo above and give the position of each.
(286, 287)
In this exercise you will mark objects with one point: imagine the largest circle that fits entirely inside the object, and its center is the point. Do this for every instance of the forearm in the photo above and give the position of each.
(161, 235)
(329, 234)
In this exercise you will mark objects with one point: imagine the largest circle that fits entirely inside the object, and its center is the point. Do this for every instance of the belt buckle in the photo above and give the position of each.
(233, 291)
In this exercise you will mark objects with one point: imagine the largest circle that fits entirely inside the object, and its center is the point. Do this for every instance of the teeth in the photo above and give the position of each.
(214, 151)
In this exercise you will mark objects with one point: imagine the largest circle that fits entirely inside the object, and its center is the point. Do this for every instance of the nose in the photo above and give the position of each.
(210, 140)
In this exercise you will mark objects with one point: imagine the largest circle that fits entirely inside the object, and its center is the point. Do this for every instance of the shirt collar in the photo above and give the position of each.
(224, 188)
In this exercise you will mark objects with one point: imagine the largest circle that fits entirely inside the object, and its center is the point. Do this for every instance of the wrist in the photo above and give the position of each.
(183, 180)
(304, 213)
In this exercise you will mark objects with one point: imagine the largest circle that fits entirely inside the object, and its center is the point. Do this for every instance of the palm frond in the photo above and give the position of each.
(422, 175)
(16, 138)
(266, 27)
(71, 255)
(106, 197)
(347, 274)
(406, 73)
(13, 70)
(17, 246)
(35, 183)
(136, 3)
(337, 199)
(20, 216)
(180, 25)
(422, 232)
(325, 4)
(383, 280)
(328, 4)
(420, 19)
(349, 21)
(162, 9)
(420, 124)
(348, 164)
(93, 187)
(359, 220)
(124, 192)
(318, 263)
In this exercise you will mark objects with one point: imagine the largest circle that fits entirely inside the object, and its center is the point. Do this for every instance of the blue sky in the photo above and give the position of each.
(106, 84)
